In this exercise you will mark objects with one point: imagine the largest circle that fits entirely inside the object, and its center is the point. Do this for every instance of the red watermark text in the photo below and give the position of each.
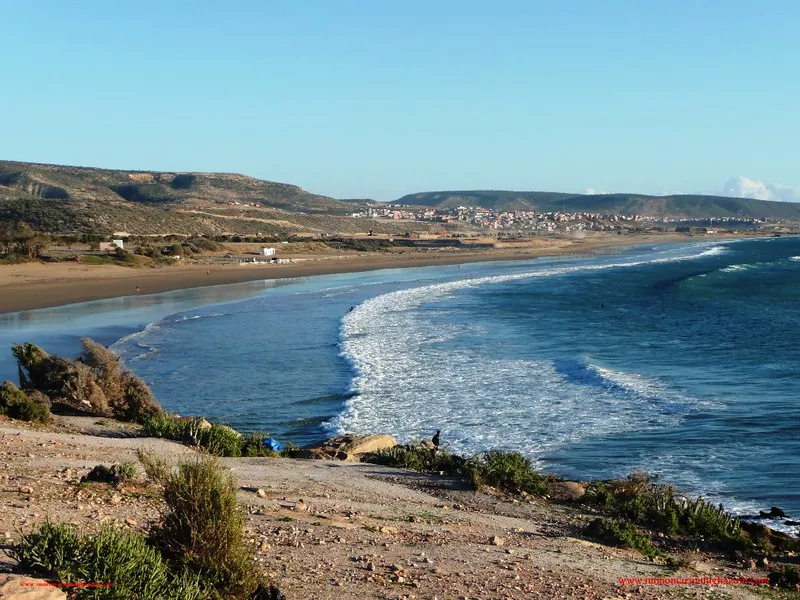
(693, 581)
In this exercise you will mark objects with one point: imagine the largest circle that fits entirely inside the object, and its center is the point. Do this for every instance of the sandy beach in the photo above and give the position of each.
(35, 285)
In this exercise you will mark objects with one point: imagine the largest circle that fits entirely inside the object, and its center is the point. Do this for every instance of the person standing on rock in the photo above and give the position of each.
(436, 438)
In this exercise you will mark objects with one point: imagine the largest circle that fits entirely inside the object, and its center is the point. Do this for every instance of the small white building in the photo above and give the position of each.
(268, 252)
(119, 244)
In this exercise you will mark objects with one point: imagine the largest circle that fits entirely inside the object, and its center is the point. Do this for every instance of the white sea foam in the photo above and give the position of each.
(150, 328)
(407, 385)
(795, 258)
(195, 317)
(736, 268)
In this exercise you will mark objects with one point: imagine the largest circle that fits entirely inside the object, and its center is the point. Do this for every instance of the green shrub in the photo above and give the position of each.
(124, 256)
(418, 457)
(95, 383)
(621, 533)
(202, 529)
(657, 506)
(404, 457)
(252, 444)
(131, 567)
(221, 440)
(162, 425)
(509, 471)
(18, 405)
(290, 450)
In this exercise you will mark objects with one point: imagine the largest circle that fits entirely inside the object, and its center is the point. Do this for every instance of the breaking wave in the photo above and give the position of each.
(408, 383)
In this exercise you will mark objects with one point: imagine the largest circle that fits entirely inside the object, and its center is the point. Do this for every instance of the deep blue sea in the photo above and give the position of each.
(679, 360)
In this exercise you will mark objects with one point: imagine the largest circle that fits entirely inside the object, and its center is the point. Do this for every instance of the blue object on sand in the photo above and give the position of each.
(273, 444)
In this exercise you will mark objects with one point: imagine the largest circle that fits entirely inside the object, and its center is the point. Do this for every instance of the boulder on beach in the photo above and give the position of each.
(349, 447)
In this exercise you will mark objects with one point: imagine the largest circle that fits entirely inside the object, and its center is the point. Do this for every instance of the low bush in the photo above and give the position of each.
(419, 457)
(252, 444)
(622, 533)
(18, 405)
(508, 471)
(221, 440)
(640, 499)
(118, 565)
(202, 530)
(168, 427)
(216, 439)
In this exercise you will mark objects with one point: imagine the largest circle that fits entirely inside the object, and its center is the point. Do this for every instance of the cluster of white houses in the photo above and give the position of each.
(531, 220)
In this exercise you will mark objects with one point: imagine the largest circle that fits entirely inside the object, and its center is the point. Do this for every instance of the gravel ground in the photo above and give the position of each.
(327, 529)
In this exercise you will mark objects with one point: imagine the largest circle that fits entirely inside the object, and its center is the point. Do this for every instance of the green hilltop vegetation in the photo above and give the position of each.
(64, 199)
(680, 206)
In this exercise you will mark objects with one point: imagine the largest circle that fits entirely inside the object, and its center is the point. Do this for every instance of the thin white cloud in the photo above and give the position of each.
(744, 187)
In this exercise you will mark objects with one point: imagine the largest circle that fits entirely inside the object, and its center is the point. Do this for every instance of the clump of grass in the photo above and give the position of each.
(18, 405)
(622, 533)
(202, 530)
(641, 500)
(166, 426)
(418, 457)
(221, 440)
(114, 474)
(216, 439)
(118, 565)
(508, 471)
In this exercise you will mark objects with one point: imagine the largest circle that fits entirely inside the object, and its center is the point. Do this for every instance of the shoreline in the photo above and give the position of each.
(58, 284)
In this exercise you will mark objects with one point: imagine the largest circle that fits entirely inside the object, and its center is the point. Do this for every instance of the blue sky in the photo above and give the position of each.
(378, 99)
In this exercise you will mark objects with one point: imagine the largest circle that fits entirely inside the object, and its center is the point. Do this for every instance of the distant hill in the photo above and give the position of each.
(681, 206)
(64, 199)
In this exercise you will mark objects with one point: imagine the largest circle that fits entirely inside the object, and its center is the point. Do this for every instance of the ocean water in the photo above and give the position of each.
(679, 360)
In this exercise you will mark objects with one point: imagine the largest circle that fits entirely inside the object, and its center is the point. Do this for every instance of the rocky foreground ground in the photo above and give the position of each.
(330, 529)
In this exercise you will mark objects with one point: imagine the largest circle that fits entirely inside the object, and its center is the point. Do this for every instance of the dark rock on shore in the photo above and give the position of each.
(774, 513)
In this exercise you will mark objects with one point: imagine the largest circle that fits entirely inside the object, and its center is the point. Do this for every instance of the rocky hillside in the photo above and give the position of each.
(63, 199)
(684, 206)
